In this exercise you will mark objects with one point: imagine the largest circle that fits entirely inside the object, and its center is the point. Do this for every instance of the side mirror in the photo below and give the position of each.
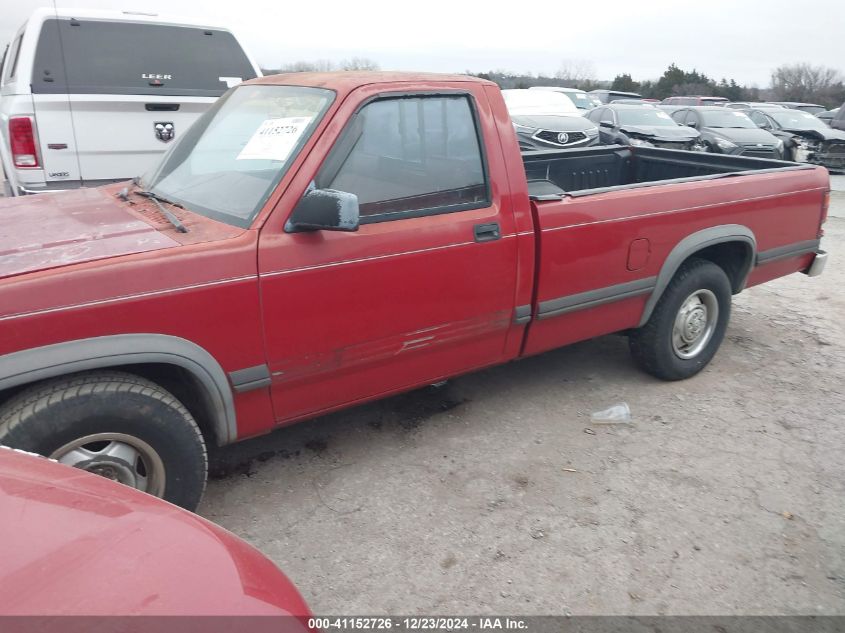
(324, 210)
(605, 123)
(691, 124)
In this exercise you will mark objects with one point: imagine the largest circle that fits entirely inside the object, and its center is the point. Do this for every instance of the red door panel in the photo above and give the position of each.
(349, 316)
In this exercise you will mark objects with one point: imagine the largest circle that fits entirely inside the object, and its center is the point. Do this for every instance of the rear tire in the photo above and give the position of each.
(114, 424)
(687, 325)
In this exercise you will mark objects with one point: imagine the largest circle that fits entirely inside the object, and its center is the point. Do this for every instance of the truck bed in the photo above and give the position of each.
(552, 174)
(604, 229)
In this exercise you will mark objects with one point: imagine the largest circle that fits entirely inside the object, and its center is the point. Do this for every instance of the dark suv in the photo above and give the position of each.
(727, 131)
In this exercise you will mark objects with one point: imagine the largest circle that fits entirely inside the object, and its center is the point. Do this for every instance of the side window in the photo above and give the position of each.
(405, 157)
(607, 116)
(10, 66)
(594, 115)
(680, 116)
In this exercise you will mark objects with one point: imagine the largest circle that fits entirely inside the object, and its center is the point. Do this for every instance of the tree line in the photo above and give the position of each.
(792, 82)
(323, 66)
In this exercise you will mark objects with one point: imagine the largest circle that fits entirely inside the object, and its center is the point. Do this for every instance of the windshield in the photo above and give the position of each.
(644, 116)
(797, 120)
(582, 101)
(230, 160)
(538, 102)
(726, 118)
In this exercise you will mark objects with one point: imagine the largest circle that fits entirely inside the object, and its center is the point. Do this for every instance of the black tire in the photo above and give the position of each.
(113, 405)
(652, 345)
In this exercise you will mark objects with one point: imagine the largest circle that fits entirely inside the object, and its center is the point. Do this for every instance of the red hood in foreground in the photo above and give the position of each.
(72, 543)
(52, 230)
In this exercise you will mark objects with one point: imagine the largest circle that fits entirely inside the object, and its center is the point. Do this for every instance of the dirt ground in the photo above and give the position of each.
(496, 493)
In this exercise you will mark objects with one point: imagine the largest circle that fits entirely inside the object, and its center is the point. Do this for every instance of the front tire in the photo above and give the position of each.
(687, 325)
(113, 424)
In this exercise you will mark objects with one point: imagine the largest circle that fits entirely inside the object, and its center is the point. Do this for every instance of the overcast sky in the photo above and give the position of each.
(722, 38)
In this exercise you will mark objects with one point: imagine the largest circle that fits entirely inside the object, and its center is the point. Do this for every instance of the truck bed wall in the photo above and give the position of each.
(601, 252)
(577, 171)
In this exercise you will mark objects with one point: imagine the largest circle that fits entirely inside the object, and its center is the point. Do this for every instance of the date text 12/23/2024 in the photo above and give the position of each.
(418, 623)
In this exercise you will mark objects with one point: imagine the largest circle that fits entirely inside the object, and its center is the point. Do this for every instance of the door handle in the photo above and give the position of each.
(487, 232)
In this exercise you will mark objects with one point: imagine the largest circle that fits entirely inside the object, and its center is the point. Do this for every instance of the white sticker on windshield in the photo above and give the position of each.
(230, 82)
(275, 139)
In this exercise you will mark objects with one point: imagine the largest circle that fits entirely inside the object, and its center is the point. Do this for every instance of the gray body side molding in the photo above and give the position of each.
(26, 366)
(696, 242)
(244, 380)
(522, 315)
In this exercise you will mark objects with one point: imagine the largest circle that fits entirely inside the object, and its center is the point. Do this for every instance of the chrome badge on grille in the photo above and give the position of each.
(563, 138)
(164, 131)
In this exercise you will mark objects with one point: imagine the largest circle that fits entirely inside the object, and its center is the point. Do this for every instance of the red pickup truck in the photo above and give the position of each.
(315, 241)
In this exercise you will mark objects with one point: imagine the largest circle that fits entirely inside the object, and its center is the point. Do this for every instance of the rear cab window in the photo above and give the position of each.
(90, 57)
(410, 156)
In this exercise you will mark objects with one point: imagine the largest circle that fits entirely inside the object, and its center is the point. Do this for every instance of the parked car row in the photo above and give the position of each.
(547, 118)
(586, 101)
(831, 118)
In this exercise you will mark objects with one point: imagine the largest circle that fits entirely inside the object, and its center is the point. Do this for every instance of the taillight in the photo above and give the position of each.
(825, 206)
(22, 140)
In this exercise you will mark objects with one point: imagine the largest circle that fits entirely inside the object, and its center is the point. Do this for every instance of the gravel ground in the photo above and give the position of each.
(496, 494)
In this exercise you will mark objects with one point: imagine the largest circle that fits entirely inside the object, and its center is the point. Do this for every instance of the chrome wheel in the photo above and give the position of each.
(118, 457)
(695, 323)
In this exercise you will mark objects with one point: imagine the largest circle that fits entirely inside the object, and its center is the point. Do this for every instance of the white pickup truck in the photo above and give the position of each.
(91, 97)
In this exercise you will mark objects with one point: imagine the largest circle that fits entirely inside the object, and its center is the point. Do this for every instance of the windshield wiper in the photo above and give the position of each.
(123, 194)
(171, 217)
